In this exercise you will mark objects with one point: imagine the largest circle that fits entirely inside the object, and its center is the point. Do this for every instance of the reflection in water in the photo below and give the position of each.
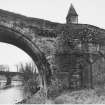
(2, 83)
(12, 95)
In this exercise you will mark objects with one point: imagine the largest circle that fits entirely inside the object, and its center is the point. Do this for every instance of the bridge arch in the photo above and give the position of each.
(20, 40)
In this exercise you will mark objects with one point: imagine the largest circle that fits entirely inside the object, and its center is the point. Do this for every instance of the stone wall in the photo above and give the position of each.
(58, 42)
(98, 72)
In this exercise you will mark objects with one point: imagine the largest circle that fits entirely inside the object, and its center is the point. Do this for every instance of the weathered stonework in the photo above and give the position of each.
(51, 45)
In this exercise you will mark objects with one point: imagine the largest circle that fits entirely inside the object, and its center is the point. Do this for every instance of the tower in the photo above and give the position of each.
(72, 16)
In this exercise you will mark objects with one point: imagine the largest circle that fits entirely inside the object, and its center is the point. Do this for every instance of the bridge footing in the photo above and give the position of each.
(8, 81)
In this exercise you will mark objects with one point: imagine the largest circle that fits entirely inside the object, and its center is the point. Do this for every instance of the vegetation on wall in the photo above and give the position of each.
(29, 77)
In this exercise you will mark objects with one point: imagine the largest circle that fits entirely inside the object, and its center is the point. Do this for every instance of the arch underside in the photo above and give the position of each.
(21, 41)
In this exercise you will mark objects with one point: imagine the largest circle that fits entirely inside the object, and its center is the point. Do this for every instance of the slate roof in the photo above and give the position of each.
(72, 11)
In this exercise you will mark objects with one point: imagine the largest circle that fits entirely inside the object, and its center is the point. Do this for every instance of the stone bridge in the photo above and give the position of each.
(44, 42)
(9, 76)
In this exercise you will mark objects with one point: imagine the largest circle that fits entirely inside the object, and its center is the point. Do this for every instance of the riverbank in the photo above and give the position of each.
(85, 96)
(23, 101)
(37, 98)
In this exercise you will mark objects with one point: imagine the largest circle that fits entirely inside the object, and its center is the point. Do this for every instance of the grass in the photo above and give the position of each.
(86, 96)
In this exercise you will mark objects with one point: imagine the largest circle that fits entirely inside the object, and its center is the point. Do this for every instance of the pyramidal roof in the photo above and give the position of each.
(72, 11)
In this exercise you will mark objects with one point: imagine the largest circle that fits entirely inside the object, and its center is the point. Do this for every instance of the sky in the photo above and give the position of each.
(89, 12)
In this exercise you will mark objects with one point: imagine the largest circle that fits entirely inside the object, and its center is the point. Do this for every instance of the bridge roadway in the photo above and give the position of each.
(10, 74)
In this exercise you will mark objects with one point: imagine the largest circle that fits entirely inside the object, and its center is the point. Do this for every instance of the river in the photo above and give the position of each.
(12, 95)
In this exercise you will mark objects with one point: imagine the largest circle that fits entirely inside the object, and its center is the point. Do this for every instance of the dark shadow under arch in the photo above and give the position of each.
(20, 40)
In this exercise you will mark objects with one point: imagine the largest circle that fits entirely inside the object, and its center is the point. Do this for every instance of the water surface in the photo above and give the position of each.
(12, 94)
